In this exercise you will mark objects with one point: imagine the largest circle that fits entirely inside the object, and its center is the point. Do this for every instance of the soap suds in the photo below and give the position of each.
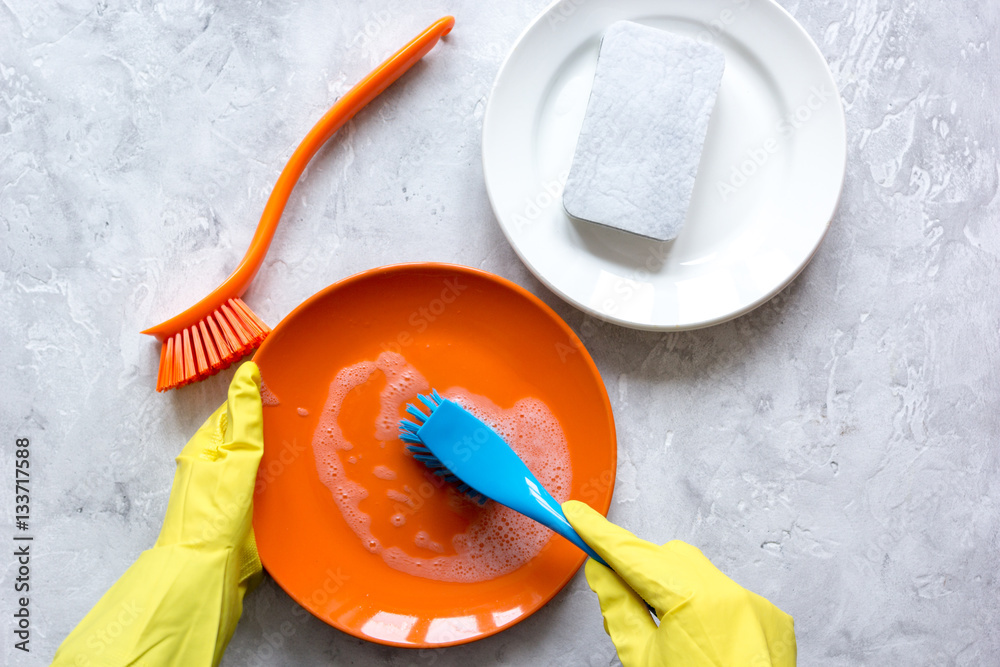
(384, 472)
(397, 496)
(424, 541)
(302, 412)
(267, 397)
(497, 540)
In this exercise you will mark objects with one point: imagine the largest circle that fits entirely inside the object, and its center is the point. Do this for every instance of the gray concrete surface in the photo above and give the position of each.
(834, 450)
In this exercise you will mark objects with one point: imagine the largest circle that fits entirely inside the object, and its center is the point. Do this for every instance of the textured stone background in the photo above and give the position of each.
(835, 450)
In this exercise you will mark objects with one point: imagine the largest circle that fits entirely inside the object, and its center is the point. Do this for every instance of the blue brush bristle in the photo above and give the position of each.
(408, 434)
(416, 413)
(429, 402)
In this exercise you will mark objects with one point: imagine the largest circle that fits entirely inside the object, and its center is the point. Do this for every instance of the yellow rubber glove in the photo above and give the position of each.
(179, 602)
(706, 618)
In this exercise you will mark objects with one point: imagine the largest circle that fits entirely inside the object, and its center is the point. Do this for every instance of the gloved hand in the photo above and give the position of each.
(706, 619)
(178, 604)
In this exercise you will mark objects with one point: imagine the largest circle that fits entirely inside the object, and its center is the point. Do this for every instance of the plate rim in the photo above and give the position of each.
(592, 369)
(677, 326)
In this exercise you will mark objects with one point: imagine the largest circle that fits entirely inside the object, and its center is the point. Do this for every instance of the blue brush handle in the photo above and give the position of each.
(546, 511)
(454, 443)
(562, 526)
(573, 537)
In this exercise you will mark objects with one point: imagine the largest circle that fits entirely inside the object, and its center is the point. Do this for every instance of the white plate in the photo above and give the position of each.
(770, 176)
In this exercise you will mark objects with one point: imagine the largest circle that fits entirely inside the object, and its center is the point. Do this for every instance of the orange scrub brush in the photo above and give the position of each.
(221, 329)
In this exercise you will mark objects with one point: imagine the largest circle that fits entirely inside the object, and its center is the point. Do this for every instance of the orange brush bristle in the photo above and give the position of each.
(210, 345)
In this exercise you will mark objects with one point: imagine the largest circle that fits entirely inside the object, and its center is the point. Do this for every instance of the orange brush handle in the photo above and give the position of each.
(341, 112)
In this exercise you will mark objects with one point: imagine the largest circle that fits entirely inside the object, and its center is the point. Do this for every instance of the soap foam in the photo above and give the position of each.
(384, 472)
(498, 540)
(397, 496)
(267, 397)
(424, 541)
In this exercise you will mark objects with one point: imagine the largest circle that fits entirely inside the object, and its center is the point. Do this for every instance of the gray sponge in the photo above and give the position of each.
(638, 152)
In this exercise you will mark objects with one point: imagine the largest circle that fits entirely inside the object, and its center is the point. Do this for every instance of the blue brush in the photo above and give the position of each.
(463, 450)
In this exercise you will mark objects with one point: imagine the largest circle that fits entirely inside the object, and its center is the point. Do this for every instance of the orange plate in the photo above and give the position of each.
(459, 327)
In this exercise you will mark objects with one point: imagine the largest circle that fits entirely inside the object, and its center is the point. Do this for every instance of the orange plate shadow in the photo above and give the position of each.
(457, 326)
